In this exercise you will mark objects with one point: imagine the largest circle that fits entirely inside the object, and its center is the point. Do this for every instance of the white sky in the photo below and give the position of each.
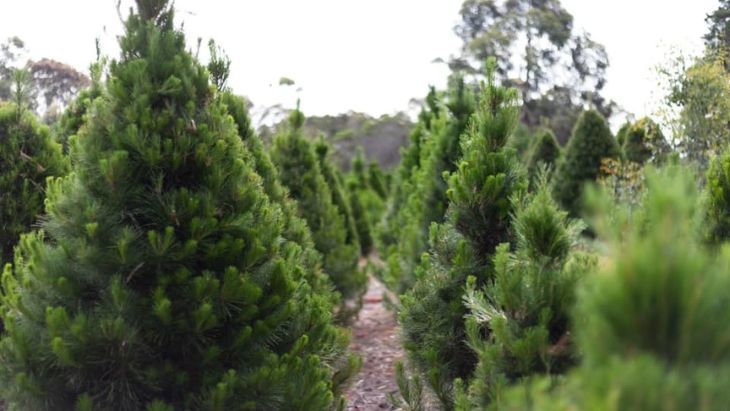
(370, 56)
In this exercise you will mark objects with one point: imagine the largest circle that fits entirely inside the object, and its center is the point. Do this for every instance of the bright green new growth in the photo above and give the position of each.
(28, 156)
(644, 141)
(525, 310)
(487, 177)
(161, 281)
(299, 171)
(590, 143)
(652, 325)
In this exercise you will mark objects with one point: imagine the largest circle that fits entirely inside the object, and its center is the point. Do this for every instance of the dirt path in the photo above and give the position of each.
(375, 339)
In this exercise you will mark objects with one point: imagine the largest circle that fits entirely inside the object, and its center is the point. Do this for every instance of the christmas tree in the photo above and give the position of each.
(590, 143)
(479, 219)
(160, 280)
(28, 156)
(300, 173)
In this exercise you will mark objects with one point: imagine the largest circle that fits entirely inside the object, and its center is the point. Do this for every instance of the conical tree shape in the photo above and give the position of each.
(339, 196)
(526, 309)
(28, 156)
(427, 201)
(545, 152)
(652, 324)
(377, 180)
(161, 282)
(644, 141)
(359, 215)
(590, 143)
(300, 173)
(295, 228)
(479, 217)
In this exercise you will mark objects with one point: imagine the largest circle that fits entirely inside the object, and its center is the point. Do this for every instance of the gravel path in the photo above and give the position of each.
(375, 339)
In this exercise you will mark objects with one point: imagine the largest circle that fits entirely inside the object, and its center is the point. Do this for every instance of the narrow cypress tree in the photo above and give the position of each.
(488, 176)
(545, 151)
(160, 282)
(28, 156)
(590, 143)
(300, 173)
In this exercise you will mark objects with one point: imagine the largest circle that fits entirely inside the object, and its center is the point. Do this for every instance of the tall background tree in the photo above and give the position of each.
(558, 70)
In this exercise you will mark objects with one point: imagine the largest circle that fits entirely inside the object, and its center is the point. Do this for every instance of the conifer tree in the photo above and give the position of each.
(651, 325)
(488, 176)
(160, 281)
(75, 115)
(621, 135)
(339, 197)
(369, 203)
(28, 156)
(590, 143)
(376, 178)
(717, 199)
(544, 152)
(360, 218)
(525, 310)
(644, 141)
(427, 201)
(299, 171)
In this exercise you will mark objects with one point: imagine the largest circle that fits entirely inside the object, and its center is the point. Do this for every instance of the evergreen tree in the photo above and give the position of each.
(591, 143)
(621, 135)
(525, 310)
(388, 229)
(427, 201)
(376, 178)
(644, 141)
(488, 175)
(544, 152)
(717, 199)
(75, 115)
(651, 326)
(28, 156)
(360, 218)
(161, 281)
(299, 171)
(339, 196)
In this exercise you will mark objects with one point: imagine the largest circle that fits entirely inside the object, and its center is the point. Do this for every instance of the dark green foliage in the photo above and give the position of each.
(644, 141)
(545, 152)
(718, 199)
(76, 114)
(360, 218)
(621, 135)
(377, 180)
(387, 231)
(28, 156)
(299, 171)
(591, 143)
(426, 200)
(525, 310)
(162, 280)
(487, 177)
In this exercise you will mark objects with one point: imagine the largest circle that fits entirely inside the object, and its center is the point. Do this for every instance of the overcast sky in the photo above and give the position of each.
(370, 56)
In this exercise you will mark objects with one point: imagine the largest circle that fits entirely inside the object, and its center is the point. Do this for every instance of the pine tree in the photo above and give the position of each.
(376, 178)
(644, 141)
(544, 152)
(339, 196)
(75, 115)
(590, 143)
(427, 201)
(299, 171)
(28, 156)
(360, 218)
(651, 325)
(525, 310)
(363, 197)
(487, 177)
(160, 281)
